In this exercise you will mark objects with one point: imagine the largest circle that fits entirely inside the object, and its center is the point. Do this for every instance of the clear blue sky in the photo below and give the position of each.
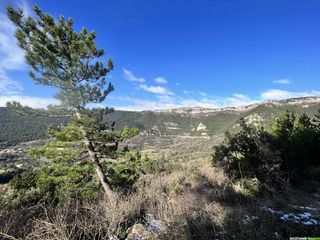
(209, 53)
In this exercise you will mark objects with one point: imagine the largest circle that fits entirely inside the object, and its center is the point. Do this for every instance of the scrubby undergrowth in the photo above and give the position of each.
(198, 202)
(256, 189)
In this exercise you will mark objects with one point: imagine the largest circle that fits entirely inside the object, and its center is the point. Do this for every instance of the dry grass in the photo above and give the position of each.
(98, 220)
(196, 202)
(156, 198)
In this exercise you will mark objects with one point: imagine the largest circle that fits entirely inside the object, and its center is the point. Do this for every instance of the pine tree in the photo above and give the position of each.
(69, 61)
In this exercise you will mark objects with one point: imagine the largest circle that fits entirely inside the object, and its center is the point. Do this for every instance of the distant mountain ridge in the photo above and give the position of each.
(183, 122)
(206, 121)
(199, 110)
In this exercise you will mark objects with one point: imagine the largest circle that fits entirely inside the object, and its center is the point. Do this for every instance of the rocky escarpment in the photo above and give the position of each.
(199, 110)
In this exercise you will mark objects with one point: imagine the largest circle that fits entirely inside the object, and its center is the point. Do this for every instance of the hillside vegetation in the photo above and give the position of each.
(15, 128)
(260, 183)
(184, 122)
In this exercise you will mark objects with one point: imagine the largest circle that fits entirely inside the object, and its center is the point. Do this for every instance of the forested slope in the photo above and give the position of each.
(16, 128)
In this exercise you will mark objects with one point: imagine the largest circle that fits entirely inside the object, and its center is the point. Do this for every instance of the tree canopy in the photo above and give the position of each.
(62, 58)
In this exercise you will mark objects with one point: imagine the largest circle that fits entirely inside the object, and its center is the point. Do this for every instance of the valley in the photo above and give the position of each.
(183, 191)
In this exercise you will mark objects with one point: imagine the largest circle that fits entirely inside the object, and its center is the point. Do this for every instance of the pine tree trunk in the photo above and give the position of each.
(93, 157)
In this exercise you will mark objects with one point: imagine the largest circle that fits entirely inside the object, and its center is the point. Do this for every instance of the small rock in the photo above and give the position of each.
(155, 226)
(138, 232)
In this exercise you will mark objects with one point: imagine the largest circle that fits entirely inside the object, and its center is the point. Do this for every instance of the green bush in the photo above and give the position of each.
(298, 141)
(61, 181)
(158, 165)
(125, 170)
(52, 185)
(281, 153)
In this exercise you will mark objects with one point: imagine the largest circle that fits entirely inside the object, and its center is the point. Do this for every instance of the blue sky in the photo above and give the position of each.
(183, 53)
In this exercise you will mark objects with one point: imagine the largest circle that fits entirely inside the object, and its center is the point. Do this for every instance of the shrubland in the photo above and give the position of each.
(197, 199)
(285, 152)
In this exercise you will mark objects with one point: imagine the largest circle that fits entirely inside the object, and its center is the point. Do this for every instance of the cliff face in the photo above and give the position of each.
(199, 110)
